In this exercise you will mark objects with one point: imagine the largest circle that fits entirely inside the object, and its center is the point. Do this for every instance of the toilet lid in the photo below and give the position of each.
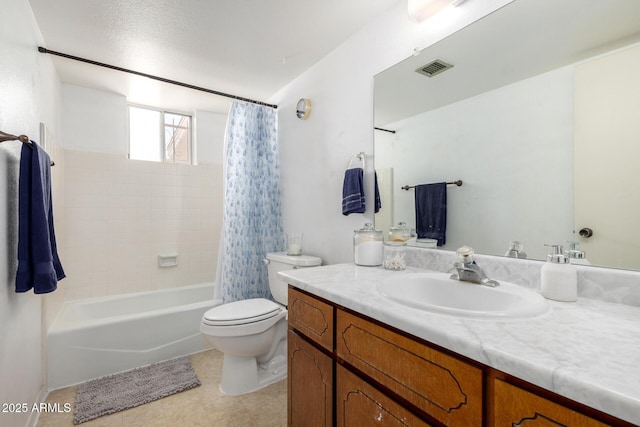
(241, 312)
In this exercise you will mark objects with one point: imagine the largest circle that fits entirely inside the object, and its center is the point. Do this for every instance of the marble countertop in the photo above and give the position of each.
(588, 351)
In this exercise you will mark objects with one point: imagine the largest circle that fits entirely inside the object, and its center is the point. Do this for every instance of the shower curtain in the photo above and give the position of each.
(252, 220)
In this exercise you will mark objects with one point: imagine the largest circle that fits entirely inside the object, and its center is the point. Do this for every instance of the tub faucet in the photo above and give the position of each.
(468, 271)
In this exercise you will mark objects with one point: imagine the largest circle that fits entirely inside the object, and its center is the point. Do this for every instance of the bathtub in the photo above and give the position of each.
(100, 336)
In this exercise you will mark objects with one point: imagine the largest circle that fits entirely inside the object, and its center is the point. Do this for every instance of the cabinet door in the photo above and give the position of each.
(514, 406)
(359, 404)
(311, 317)
(310, 385)
(444, 387)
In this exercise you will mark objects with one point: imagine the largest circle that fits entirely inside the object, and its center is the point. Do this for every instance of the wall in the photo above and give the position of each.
(122, 213)
(30, 94)
(514, 154)
(607, 110)
(315, 152)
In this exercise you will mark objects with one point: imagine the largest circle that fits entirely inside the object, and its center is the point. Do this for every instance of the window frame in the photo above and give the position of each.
(162, 128)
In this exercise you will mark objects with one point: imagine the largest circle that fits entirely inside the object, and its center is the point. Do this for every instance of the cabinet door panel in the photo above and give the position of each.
(444, 387)
(514, 406)
(358, 404)
(311, 317)
(310, 385)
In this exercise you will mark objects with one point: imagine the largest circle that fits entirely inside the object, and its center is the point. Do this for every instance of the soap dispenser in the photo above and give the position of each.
(558, 278)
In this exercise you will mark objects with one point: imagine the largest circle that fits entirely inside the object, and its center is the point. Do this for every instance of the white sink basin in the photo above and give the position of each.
(438, 293)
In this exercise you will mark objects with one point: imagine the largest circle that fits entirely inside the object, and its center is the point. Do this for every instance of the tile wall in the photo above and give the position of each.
(120, 214)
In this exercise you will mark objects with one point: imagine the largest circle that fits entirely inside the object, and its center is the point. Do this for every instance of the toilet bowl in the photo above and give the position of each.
(252, 333)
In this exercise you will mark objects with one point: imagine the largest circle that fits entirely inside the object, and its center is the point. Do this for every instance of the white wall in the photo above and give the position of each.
(30, 94)
(94, 120)
(314, 153)
(512, 147)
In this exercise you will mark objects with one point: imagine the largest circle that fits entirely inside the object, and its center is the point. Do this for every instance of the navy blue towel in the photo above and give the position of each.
(377, 194)
(353, 192)
(39, 267)
(431, 211)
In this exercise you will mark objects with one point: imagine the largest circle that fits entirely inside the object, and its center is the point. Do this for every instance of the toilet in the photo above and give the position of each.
(252, 333)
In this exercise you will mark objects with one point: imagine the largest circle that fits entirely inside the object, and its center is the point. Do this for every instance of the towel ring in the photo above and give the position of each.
(359, 156)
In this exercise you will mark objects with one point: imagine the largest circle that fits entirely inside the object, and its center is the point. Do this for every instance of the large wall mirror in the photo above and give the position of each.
(539, 117)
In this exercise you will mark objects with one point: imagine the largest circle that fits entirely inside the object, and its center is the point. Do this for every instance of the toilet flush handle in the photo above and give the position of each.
(266, 261)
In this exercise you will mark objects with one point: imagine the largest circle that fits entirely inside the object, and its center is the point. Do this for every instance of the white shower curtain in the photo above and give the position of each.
(252, 221)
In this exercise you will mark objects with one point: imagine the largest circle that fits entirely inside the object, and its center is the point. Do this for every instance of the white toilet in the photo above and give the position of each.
(252, 333)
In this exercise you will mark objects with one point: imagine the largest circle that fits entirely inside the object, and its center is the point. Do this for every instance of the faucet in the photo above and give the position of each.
(468, 271)
(516, 250)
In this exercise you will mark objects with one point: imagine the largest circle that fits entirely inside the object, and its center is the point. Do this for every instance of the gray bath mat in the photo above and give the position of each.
(113, 393)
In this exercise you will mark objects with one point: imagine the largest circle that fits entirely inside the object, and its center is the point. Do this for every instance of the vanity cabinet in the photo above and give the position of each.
(439, 385)
(358, 403)
(348, 370)
(514, 406)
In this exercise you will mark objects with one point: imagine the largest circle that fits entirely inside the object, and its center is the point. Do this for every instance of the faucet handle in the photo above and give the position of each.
(465, 254)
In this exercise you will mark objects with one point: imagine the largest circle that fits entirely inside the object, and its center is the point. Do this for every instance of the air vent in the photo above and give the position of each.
(434, 67)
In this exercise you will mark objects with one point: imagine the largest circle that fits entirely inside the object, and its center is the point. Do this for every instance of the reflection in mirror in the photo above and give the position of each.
(539, 116)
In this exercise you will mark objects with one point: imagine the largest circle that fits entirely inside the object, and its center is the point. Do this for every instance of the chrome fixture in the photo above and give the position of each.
(516, 250)
(468, 271)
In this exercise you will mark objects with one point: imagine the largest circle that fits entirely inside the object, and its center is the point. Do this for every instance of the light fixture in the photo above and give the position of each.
(421, 10)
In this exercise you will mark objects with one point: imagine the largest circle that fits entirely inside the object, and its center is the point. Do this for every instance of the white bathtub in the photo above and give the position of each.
(100, 336)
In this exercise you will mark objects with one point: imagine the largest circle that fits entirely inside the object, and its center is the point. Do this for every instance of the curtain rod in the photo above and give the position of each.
(150, 76)
(385, 130)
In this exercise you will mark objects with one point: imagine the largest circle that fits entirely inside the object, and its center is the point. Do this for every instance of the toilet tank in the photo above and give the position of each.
(280, 261)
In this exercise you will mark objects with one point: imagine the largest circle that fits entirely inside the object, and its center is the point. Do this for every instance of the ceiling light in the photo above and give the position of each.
(421, 10)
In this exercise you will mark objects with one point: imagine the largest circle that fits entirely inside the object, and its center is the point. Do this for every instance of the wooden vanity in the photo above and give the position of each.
(346, 369)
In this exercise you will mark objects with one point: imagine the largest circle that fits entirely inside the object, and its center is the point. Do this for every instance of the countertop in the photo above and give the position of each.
(588, 350)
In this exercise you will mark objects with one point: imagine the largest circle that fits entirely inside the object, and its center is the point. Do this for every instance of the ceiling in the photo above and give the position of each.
(523, 39)
(248, 48)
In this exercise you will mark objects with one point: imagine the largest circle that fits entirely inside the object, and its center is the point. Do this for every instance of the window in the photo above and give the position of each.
(159, 136)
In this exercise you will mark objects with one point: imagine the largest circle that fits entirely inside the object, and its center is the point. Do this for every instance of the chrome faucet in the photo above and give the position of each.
(468, 271)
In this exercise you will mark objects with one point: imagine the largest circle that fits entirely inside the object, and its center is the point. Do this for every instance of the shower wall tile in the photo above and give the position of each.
(120, 214)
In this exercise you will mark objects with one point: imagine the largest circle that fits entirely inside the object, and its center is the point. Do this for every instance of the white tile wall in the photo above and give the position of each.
(120, 214)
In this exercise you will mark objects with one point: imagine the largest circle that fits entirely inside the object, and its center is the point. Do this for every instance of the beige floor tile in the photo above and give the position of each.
(150, 414)
(202, 406)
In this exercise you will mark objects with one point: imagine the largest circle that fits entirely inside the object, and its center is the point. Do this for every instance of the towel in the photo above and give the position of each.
(353, 192)
(377, 194)
(431, 211)
(39, 266)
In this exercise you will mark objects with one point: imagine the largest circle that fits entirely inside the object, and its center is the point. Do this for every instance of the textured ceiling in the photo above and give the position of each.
(250, 48)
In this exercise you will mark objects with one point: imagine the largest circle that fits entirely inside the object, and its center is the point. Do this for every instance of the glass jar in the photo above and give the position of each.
(367, 246)
(394, 256)
(399, 233)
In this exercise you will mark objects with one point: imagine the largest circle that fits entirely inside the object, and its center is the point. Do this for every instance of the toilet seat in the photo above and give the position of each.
(241, 312)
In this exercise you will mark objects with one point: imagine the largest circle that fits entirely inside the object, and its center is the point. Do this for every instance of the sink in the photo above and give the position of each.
(436, 292)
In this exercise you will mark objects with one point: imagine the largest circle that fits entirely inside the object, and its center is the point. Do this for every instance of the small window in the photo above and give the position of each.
(159, 136)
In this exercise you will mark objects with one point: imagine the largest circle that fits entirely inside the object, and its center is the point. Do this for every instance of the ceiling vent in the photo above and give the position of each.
(434, 67)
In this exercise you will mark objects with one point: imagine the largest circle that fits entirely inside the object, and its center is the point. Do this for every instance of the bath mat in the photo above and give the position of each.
(117, 392)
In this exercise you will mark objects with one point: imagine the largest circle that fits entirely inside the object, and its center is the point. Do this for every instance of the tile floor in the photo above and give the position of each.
(201, 406)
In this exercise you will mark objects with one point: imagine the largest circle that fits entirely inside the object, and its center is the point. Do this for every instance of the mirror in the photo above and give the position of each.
(539, 117)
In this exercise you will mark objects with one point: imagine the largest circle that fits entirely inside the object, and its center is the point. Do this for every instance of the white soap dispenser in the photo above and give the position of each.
(558, 278)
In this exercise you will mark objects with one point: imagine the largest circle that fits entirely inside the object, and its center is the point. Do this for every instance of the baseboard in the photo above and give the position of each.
(32, 421)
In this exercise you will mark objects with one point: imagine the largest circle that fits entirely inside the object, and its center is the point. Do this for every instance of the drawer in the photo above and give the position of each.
(360, 404)
(444, 387)
(311, 317)
(514, 406)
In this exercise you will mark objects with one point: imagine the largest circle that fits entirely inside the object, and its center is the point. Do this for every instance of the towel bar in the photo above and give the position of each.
(22, 138)
(359, 156)
(458, 183)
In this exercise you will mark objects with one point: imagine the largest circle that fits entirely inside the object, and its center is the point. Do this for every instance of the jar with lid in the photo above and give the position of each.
(367, 246)
(394, 256)
(400, 233)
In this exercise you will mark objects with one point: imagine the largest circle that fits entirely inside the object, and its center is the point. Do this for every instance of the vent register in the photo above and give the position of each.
(433, 68)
